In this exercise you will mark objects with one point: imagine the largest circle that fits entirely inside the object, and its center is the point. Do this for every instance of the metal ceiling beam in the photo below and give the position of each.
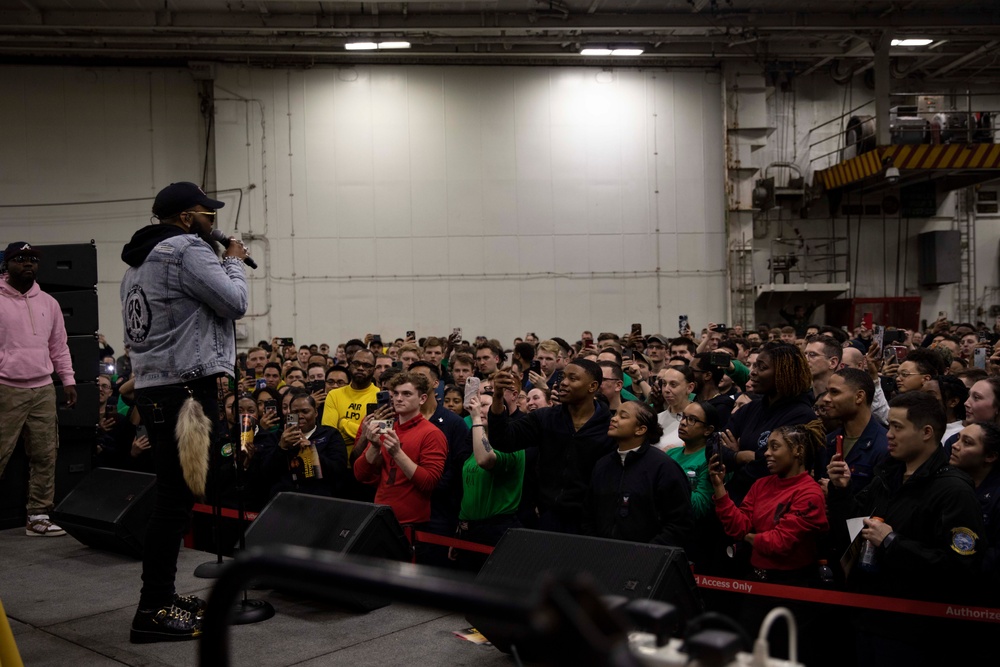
(857, 50)
(935, 22)
(955, 64)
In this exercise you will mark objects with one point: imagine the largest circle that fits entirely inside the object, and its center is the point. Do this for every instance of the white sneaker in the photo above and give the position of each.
(40, 526)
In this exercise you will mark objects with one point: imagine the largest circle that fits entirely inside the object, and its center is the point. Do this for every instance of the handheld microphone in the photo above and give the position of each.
(225, 241)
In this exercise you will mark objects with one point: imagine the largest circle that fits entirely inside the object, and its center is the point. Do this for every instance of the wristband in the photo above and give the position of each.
(479, 425)
(232, 260)
(888, 539)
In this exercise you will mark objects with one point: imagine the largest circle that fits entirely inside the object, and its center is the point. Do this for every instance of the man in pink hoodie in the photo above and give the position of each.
(32, 345)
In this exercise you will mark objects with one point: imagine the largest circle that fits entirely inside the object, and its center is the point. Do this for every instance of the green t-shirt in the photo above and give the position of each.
(701, 494)
(487, 493)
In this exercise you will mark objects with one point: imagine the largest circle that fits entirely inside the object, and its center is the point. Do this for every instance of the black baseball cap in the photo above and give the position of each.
(20, 248)
(179, 197)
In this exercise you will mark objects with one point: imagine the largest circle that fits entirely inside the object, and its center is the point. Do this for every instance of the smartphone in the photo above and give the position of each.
(397, 364)
(377, 340)
(718, 359)
(889, 354)
(880, 336)
(141, 432)
(271, 406)
(108, 369)
(866, 321)
(471, 389)
(261, 383)
(711, 449)
(721, 328)
(287, 341)
(315, 385)
(637, 329)
(252, 373)
(383, 425)
(383, 398)
(901, 352)
(536, 366)
(979, 357)
(682, 324)
(411, 335)
(292, 421)
(557, 379)
(840, 446)
(457, 332)
(110, 407)
(370, 408)
(942, 315)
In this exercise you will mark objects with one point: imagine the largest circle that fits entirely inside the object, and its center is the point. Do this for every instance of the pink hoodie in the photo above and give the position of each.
(32, 339)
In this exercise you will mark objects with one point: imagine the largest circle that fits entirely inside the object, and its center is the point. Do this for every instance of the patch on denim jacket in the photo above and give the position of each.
(137, 315)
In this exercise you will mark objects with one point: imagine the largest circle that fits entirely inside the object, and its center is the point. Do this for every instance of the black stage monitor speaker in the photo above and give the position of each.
(67, 266)
(332, 524)
(79, 309)
(109, 509)
(629, 569)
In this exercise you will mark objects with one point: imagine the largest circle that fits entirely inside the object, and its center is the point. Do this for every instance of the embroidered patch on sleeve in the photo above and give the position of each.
(963, 541)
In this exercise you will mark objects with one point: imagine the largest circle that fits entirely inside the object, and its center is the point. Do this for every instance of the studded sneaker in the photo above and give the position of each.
(192, 604)
(166, 624)
(39, 525)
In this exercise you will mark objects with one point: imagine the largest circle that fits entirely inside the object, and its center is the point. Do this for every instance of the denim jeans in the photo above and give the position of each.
(158, 407)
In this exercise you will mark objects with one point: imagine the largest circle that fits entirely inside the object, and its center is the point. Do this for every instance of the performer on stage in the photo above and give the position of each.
(178, 304)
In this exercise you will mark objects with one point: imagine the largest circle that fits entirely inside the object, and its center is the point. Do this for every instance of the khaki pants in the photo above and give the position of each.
(34, 411)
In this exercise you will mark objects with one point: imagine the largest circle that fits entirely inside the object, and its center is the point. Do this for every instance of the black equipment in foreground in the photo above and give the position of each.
(628, 569)
(567, 612)
(109, 509)
(331, 524)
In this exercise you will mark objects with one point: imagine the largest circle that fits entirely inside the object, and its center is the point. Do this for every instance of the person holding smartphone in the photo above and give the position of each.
(308, 457)
(784, 514)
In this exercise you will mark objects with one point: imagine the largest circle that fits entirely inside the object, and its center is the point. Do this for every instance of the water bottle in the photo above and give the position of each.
(692, 479)
(867, 560)
(825, 574)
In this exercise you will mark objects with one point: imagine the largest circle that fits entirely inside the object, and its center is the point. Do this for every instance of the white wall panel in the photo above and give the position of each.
(83, 136)
(473, 185)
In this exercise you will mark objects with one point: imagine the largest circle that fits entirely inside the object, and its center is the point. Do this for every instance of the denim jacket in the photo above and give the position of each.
(178, 307)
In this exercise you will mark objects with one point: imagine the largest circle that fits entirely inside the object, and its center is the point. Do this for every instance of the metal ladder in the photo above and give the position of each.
(966, 220)
(741, 284)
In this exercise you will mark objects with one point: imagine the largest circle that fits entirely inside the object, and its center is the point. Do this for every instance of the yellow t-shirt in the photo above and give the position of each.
(344, 409)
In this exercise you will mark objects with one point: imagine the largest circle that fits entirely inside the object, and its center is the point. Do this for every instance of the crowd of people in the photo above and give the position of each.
(749, 449)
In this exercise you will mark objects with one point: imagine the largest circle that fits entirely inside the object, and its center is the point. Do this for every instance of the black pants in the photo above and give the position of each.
(159, 407)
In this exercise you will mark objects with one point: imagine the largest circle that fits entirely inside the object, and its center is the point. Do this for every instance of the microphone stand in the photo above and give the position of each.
(247, 610)
(212, 569)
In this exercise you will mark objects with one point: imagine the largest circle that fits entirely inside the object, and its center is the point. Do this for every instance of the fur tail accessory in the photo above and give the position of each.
(193, 431)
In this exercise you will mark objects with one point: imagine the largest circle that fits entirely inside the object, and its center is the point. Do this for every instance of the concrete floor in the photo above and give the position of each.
(69, 604)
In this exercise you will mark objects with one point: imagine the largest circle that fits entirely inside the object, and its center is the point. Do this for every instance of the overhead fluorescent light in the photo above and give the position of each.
(911, 42)
(627, 52)
(361, 46)
(393, 45)
(595, 52)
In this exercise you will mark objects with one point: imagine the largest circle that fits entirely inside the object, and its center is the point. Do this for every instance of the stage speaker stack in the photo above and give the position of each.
(344, 526)
(632, 570)
(69, 274)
